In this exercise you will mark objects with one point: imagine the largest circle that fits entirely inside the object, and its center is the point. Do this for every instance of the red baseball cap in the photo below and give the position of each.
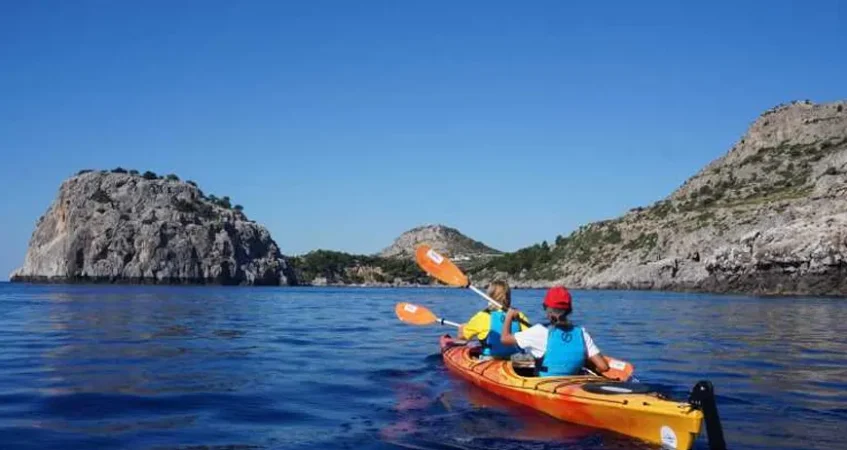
(558, 298)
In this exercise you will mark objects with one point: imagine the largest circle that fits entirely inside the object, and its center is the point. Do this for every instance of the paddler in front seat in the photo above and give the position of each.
(486, 324)
(561, 347)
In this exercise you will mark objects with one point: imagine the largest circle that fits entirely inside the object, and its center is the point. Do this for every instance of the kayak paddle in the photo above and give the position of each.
(441, 268)
(418, 315)
(618, 369)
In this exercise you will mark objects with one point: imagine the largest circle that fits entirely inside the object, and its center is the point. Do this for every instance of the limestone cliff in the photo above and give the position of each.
(124, 227)
(768, 217)
(446, 240)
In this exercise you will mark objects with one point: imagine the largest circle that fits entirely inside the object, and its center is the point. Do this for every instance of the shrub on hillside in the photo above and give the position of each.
(644, 240)
(523, 259)
(341, 267)
(101, 196)
(184, 205)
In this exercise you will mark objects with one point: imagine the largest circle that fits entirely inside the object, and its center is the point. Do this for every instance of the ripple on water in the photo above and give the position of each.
(156, 367)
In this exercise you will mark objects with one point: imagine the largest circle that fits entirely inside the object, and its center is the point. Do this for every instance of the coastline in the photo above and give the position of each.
(519, 287)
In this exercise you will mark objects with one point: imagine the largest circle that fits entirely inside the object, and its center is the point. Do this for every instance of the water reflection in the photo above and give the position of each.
(465, 413)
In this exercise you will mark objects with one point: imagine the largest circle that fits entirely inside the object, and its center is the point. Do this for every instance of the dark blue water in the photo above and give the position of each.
(93, 367)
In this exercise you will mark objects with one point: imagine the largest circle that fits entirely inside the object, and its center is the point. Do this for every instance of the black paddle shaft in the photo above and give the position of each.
(703, 398)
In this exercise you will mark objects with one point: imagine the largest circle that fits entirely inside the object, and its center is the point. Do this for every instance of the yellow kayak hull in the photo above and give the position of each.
(586, 400)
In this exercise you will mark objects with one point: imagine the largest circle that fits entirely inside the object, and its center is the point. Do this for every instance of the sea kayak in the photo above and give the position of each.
(632, 409)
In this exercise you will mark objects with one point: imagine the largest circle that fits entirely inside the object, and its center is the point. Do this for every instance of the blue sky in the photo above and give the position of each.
(341, 124)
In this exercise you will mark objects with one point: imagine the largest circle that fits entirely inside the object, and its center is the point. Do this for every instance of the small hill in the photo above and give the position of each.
(124, 227)
(394, 266)
(768, 217)
(445, 240)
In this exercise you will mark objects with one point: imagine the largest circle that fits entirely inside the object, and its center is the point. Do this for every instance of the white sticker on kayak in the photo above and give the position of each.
(617, 365)
(668, 437)
(410, 308)
(435, 257)
(616, 389)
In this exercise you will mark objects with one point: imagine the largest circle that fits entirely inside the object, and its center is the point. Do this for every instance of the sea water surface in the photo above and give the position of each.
(102, 367)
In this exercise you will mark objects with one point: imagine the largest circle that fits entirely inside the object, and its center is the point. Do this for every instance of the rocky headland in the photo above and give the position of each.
(121, 226)
(768, 217)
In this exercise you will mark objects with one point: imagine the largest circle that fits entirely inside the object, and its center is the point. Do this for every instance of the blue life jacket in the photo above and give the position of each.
(565, 353)
(493, 346)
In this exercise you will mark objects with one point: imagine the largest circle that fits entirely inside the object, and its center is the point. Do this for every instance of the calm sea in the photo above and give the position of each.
(92, 367)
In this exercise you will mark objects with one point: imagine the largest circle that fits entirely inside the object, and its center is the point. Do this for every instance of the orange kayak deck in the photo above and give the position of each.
(593, 401)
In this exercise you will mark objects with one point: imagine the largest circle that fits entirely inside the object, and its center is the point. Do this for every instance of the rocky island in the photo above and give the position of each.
(121, 226)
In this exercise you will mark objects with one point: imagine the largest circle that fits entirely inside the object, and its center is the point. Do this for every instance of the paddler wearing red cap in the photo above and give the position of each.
(561, 347)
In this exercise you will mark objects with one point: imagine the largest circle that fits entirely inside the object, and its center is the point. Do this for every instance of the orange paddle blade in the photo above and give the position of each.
(618, 369)
(438, 266)
(414, 314)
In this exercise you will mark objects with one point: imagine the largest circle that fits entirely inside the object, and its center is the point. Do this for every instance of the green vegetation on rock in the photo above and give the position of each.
(644, 241)
(100, 196)
(523, 259)
(585, 245)
(344, 268)
(199, 206)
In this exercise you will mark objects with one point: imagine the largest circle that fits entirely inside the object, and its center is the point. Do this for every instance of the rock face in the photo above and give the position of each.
(446, 240)
(121, 227)
(769, 217)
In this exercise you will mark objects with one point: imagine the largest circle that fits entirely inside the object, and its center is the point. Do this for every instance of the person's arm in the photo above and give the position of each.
(594, 356)
(523, 324)
(506, 336)
(599, 363)
(477, 327)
